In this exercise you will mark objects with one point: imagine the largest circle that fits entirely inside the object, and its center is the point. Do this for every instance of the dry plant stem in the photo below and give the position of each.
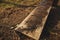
(33, 24)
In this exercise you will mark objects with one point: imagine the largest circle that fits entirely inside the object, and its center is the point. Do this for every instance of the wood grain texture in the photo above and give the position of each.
(33, 24)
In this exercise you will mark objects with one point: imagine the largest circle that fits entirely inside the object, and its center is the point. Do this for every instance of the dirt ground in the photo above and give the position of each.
(10, 16)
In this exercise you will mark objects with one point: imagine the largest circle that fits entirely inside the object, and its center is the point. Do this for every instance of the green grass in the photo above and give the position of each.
(4, 5)
(23, 2)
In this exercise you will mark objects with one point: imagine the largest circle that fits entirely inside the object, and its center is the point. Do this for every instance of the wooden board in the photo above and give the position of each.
(33, 24)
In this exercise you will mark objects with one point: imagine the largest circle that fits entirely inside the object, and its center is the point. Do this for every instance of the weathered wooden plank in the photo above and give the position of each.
(33, 24)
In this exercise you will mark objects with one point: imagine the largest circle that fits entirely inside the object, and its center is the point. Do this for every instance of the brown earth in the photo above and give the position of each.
(11, 16)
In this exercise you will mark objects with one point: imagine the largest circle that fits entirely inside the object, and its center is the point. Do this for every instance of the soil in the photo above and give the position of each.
(10, 16)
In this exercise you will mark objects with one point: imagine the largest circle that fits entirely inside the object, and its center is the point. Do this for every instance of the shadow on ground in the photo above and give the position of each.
(51, 25)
